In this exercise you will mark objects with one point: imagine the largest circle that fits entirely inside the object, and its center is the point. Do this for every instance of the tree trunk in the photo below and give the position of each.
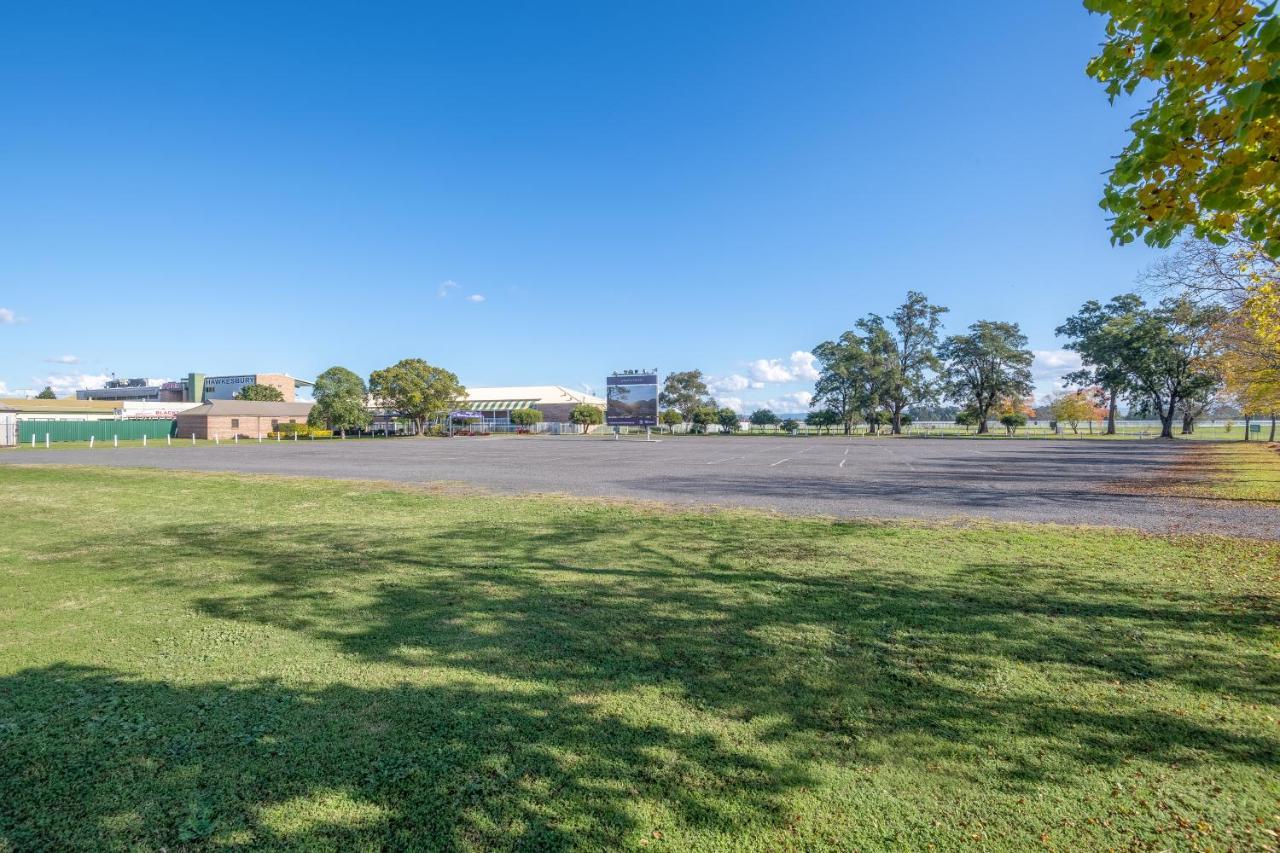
(982, 426)
(1166, 424)
(1246, 427)
(897, 420)
(1273, 428)
(1111, 414)
(1188, 423)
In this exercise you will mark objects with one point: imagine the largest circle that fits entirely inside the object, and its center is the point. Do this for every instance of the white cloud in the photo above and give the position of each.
(7, 317)
(797, 367)
(445, 287)
(64, 359)
(769, 370)
(476, 297)
(64, 384)
(1050, 366)
(733, 382)
(797, 401)
(734, 403)
(802, 365)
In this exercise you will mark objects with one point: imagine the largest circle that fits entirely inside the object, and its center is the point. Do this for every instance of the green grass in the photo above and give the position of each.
(193, 660)
(1238, 472)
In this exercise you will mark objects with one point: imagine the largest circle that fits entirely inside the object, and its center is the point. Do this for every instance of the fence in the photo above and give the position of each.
(8, 430)
(100, 430)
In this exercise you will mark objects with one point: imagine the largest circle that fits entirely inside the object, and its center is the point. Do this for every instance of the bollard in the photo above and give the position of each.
(277, 438)
(46, 441)
(193, 439)
(295, 436)
(216, 440)
(144, 439)
(115, 441)
(236, 440)
(168, 441)
(91, 442)
(33, 440)
(259, 438)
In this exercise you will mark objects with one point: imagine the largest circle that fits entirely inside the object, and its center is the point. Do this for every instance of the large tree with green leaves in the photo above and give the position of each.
(855, 372)
(47, 394)
(686, 392)
(1095, 334)
(916, 324)
(586, 415)
(260, 393)
(1202, 150)
(988, 364)
(416, 390)
(341, 401)
(1170, 354)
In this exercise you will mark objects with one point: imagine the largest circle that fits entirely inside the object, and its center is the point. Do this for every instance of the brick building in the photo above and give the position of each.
(229, 418)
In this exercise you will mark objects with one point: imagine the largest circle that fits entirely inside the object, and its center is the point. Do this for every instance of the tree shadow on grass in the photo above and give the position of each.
(855, 665)
(93, 759)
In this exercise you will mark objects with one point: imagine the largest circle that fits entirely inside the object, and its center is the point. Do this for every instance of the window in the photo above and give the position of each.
(293, 420)
(275, 425)
(235, 423)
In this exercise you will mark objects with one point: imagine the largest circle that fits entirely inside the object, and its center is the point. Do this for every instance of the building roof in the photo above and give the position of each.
(250, 409)
(61, 407)
(528, 395)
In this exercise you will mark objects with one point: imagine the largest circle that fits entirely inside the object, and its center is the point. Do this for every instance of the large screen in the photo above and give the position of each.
(632, 399)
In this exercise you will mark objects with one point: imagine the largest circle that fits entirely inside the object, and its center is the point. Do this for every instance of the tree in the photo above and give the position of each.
(727, 419)
(1100, 342)
(671, 417)
(1202, 155)
(586, 415)
(525, 417)
(966, 418)
(1072, 408)
(685, 392)
(854, 371)
(341, 401)
(260, 393)
(763, 418)
(416, 390)
(916, 323)
(1013, 420)
(704, 416)
(990, 362)
(47, 394)
(790, 425)
(825, 419)
(1169, 354)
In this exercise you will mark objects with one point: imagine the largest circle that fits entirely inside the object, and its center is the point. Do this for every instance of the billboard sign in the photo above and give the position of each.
(632, 398)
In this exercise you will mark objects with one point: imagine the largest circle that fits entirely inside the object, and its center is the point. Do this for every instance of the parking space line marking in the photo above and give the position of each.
(842, 461)
(780, 461)
(726, 459)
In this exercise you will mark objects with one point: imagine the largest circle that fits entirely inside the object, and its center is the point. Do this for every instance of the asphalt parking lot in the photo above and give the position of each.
(1051, 481)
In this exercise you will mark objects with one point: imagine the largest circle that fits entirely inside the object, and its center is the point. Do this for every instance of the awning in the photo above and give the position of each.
(498, 405)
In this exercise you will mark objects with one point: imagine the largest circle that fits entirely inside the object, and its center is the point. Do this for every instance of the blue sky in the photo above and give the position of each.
(539, 192)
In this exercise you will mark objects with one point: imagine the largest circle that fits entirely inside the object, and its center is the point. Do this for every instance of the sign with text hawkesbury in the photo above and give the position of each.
(632, 398)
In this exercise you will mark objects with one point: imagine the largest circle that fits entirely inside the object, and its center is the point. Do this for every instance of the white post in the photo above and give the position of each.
(33, 441)
(215, 439)
(168, 441)
(91, 442)
(277, 435)
(259, 438)
(236, 439)
(193, 439)
(115, 441)
(295, 436)
(144, 439)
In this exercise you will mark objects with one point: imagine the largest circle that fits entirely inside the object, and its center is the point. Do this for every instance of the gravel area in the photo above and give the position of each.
(1027, 480)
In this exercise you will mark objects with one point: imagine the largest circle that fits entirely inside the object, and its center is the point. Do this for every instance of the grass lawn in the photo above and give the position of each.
(1244, 472)
(195, 660)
